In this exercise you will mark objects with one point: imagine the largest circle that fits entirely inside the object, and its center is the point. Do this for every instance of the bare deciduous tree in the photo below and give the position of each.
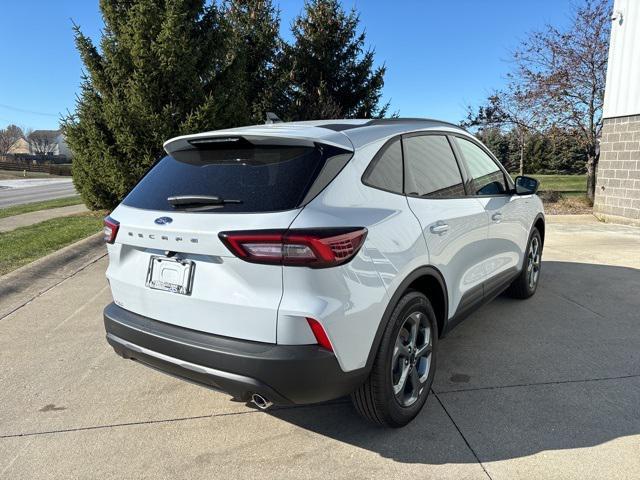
(42, 142)
(562, 75)
(506, 108)
(9, 136)
(558, 81)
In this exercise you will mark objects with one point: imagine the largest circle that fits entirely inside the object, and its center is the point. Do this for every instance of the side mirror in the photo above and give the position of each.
(526, 185)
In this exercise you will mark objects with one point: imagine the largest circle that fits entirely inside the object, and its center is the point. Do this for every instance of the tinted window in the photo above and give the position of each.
(488, 178)
(431, 168)
(385, 171)
(263, 178)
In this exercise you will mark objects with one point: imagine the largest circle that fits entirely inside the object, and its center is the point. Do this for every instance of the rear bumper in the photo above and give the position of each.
(284, 374)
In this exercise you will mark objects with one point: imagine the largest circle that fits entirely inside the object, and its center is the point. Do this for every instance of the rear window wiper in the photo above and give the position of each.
(192, 202)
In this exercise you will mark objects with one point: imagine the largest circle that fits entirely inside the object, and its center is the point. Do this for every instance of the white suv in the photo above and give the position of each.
(296, 263)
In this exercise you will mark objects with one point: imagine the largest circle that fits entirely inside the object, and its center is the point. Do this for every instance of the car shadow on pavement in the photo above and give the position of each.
(558, 371)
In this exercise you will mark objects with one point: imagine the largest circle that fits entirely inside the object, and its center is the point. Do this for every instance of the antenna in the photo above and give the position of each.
(272, 118)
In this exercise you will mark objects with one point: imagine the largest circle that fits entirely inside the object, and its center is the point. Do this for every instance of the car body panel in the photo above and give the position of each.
(460, 253)
(271, 303)
(349, 300)
(510, 220)
(230, 297)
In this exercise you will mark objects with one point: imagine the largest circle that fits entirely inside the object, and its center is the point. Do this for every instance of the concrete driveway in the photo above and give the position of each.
(545, 388)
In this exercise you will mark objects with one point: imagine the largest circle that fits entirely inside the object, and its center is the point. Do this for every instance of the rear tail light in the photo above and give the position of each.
(111, 227)
(315, 248)
(319, 333)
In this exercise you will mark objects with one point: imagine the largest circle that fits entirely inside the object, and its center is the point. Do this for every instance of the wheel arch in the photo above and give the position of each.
(427, 280)
(540, 225)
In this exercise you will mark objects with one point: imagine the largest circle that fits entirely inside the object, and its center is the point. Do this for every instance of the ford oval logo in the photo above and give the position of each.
(163, 220)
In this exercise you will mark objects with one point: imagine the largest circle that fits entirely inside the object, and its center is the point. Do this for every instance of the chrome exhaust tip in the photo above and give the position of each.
(260, 402)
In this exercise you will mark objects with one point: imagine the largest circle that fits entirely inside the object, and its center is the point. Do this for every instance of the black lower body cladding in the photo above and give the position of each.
(283, 374)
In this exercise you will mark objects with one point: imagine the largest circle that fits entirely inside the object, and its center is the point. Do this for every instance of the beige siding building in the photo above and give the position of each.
(20, 146)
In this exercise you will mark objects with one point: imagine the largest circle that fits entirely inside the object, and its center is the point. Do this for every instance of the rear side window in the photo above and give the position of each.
(431, 168)
(385, 171)
(246, 177)
(488, 178)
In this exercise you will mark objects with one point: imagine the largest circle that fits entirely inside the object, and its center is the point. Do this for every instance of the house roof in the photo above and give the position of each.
(19, 146)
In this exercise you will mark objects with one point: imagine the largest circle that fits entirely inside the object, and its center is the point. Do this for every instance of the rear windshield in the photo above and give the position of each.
(243, 177)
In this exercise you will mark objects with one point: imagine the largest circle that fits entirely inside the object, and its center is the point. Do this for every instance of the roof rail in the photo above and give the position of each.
(383, 121)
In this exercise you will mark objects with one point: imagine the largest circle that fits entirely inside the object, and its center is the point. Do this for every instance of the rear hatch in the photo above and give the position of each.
(168, 263)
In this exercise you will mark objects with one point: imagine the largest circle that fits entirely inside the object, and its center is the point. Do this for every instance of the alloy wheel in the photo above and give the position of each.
(411, 361)
(533, 263)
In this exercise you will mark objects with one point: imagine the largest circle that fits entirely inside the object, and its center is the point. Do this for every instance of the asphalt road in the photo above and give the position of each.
(16, 196)
(543, 388)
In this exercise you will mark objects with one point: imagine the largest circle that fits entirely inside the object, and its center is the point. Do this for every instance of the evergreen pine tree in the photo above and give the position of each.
(497, 142)
(254, 26)
(328, 72)
(162, 69)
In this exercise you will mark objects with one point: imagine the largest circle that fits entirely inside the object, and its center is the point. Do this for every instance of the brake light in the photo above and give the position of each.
(315, 248)
(319, 333)
(111, 227)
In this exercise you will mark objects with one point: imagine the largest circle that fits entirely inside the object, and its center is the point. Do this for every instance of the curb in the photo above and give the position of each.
(19, 287)
(617, 219)
(572, 218)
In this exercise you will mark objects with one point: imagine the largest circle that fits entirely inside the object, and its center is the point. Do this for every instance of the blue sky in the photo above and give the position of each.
(440, 55)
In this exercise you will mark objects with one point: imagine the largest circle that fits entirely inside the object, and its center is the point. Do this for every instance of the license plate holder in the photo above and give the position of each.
(173, 275)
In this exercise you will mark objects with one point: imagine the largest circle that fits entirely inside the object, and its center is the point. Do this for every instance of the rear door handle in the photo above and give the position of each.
(439, 228)
(496, 217)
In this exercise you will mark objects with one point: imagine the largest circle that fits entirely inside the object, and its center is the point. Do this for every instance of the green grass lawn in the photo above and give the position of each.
(34, 207)
(567, 184)
(10, 174)
(563, 183)
(26, 244)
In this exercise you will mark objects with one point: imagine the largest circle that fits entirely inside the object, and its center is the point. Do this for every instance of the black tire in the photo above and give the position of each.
(522, 287)
(376, 400)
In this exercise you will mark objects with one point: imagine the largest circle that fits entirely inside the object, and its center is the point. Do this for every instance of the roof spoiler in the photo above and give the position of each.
(268, 135)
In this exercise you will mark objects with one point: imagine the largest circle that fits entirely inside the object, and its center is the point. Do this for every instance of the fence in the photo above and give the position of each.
(53, 169)
(31, 158)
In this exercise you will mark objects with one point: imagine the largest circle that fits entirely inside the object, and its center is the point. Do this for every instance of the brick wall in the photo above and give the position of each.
(618, 176)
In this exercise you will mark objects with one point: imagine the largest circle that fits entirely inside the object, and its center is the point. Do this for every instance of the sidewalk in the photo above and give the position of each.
(11, 223)
(26, 283)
